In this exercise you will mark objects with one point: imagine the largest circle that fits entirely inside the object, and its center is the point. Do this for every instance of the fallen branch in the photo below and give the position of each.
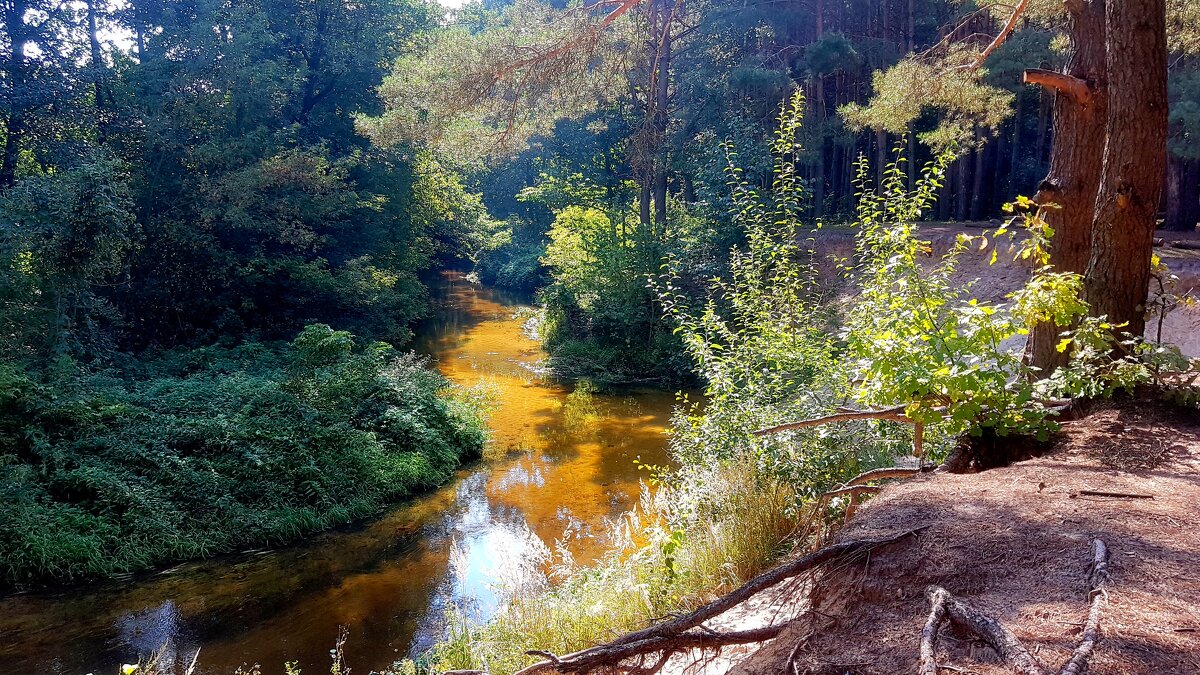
(686, 632)
(944, 606)
(937, 614)
(1007, 645)
(1091, 630)
(610, 655)
(888, 472)
(1118, 495)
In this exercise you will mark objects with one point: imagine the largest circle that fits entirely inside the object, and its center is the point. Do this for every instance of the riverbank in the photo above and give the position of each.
(189, 453)
(1015, 542)
(561, 462)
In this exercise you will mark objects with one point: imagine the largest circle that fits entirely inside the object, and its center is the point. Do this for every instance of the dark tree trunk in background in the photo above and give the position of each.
(881, 157)
(946, 197)
(977, 178)
(960, 188)
(98, 72)
(313, 91)
(649, 155)
(1041, 124)
(910, 33)
(1015, 159)
(1135, 157)
(1076, 161)
(1183, 194)
(1000, 177)
(662, 101)
(817, 106)
(14, 65)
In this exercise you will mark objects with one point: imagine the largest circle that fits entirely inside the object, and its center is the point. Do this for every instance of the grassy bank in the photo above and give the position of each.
(190, 453)
(658, 566)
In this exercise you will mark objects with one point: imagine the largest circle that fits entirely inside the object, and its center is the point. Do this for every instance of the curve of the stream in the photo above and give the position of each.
(559, 465)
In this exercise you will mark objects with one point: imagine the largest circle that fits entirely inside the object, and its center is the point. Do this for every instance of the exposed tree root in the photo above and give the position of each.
(628, 652)
(944, 606)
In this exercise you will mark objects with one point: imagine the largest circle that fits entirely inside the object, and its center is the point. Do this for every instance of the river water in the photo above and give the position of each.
(560, 464)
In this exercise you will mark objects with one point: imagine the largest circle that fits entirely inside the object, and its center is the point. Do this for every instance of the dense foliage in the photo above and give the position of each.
(207, 450)
(636, 98)
(183, 189)
(207, 179)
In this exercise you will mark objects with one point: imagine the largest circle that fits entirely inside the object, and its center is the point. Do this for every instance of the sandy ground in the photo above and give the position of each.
(1014, 542)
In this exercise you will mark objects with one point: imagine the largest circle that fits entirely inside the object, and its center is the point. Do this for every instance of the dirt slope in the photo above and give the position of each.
(1015, 542)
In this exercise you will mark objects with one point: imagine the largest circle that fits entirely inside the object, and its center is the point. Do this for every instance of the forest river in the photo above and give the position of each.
(558, 467)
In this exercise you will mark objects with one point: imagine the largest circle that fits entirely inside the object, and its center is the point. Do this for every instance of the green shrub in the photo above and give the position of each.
(196, 452)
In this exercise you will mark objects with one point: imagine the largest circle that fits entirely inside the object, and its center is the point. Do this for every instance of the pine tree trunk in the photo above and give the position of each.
(1135, 157)
(1183, 194)
(1041, 123)
(1076, 161)
(1000, 177)
(977, 179)
(881, 142)
(96, 65)
(662, 96)
(817, 105)
(14, 124)
(960, 189)
(1015, 159)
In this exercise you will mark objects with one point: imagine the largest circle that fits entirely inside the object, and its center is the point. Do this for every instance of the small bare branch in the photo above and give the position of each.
(1001, 37)
(895, 414)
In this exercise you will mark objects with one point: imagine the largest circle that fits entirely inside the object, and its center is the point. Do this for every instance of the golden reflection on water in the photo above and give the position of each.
(559, 465)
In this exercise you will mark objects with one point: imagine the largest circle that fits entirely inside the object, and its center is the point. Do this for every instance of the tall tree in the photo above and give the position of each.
(1110, 126)
(1135, 157)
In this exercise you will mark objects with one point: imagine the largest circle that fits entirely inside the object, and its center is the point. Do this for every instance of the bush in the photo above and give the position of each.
(196, 452)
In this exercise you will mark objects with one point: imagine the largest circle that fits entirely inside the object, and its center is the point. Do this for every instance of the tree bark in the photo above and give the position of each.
(1040, 150)
(977, 178)
(1000, 177)
(1135, 158)
(662, 96)
(98, 72)
(14, 123)
(817, 105)
(881, 150)
(1183, 194)
(1076, 163)
(1015, 158)
(960, 188)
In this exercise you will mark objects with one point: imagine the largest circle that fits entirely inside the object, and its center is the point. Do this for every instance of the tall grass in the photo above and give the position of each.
(653, 569)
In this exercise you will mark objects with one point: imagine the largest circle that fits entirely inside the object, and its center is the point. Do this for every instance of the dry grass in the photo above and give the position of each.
(653, 571)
